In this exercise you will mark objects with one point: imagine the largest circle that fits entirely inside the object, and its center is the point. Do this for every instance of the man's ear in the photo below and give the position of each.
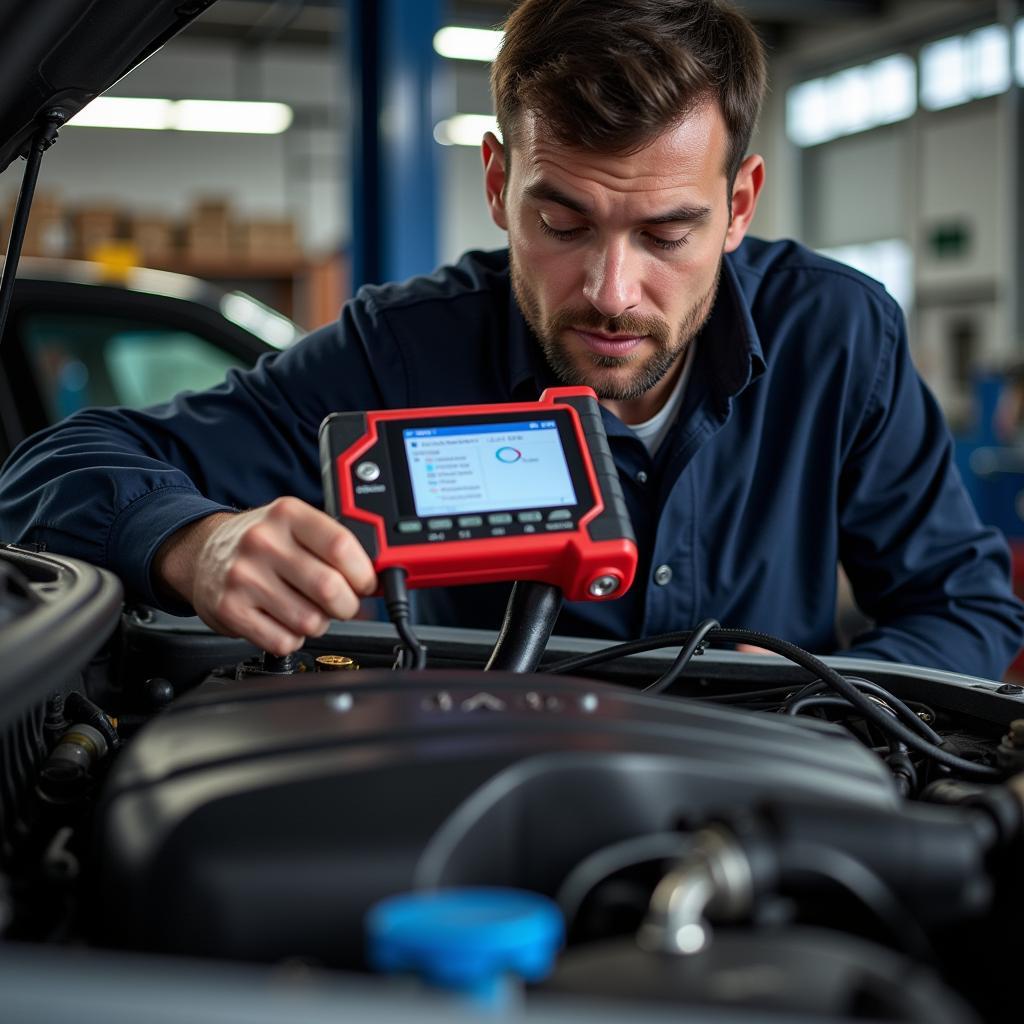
(493, 153)
(745, 190)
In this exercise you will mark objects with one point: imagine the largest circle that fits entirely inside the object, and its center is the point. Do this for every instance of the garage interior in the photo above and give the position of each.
(259, 168)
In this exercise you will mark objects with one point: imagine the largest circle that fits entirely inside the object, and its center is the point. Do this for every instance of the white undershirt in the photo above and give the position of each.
(653, 431)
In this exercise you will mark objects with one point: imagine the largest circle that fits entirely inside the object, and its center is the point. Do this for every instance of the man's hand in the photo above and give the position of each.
(273, 575)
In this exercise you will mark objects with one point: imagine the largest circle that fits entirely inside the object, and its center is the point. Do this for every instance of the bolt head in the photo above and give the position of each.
(602, 586)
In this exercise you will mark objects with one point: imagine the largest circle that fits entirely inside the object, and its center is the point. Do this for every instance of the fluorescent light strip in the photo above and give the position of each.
(185, 115)
(467, 43)
(122, 112)
(464, 129)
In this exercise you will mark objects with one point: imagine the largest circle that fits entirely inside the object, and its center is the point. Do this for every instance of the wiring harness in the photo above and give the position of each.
(872, 702)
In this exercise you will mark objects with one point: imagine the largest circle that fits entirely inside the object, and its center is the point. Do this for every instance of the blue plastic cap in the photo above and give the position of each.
(466, 939)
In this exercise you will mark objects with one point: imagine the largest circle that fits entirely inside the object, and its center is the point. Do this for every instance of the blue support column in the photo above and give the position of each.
(395, 194)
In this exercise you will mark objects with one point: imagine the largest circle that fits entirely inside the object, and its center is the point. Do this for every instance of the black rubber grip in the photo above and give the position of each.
(614, 522)
(338, 433)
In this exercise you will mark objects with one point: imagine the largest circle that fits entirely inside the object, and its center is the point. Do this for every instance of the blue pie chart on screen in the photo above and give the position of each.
(507, 454)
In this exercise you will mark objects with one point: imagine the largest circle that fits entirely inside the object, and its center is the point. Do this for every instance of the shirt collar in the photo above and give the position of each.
(729, 337)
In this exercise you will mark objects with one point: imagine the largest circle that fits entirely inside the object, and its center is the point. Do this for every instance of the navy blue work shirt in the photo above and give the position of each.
(806, 439)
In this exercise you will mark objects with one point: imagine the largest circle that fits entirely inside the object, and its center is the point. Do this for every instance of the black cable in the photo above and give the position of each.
(817, 700)
(901, 710)
(779, 693)
(616, 651)
(867, 708)
(530, 616)
(396, 599)
(695, 645)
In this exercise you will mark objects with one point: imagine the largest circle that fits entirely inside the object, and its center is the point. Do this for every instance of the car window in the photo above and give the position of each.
(80, 360)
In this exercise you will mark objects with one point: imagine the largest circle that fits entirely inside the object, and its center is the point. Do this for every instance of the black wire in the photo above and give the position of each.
(776, 692)
(396, 598)
(901, 710)
(815, 700)
(868, 709)
(616, 651)
(694, 645)
(820, 700)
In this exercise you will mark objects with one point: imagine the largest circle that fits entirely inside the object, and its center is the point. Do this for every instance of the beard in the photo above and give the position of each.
(585, 368)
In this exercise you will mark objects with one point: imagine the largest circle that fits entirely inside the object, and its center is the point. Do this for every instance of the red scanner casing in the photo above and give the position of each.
(596, 544)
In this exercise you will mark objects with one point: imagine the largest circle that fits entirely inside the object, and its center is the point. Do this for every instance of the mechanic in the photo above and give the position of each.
(760, 400)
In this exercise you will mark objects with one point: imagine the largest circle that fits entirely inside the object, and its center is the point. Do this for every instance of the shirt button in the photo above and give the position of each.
(641, 477)
(662, 575)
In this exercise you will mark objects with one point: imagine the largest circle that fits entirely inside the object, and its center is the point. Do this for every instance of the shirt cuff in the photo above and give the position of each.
(139, 530)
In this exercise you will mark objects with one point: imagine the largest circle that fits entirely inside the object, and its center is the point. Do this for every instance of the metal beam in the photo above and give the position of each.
(395, 159)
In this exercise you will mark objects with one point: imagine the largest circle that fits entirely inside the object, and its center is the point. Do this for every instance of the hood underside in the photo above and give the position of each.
(61, 54)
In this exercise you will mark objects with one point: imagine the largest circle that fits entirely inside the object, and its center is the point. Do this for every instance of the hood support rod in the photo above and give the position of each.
(45, 138)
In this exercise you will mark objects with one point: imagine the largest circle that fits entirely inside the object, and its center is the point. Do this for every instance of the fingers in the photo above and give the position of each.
(278, 574)
(316, 556)
(335, 545)
(261, 629)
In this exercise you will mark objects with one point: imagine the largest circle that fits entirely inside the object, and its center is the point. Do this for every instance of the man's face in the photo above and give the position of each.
(615, 259)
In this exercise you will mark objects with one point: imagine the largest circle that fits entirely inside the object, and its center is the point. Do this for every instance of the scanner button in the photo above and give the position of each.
(469, 521)
(499, 518)
(410, 526)
(368, 472)
(439, 524)
(559, 514)
(529, 517)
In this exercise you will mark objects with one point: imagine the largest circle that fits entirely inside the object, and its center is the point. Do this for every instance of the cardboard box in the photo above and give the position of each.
(155, 238)
(47, 231)
(207, 243)
(208, 230)
(95, 226)
(267, 240)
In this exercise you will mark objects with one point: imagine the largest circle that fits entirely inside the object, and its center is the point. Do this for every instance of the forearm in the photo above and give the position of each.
(90, 488)
(174, 565)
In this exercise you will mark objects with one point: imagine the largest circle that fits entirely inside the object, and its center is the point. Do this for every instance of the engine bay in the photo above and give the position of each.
(739, 843)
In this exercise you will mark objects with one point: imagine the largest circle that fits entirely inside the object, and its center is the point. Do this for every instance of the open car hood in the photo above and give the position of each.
(62, 54)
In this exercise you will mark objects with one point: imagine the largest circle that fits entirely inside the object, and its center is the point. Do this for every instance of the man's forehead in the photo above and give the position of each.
(690, 154)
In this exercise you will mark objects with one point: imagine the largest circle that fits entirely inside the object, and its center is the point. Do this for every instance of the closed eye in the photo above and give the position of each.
(669, 244)
(566, 235)
(569, 234)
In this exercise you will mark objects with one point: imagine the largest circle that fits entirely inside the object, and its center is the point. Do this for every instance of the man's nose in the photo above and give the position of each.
(612, 283)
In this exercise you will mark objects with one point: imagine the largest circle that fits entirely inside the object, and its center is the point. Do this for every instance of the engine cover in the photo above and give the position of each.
(261, 818)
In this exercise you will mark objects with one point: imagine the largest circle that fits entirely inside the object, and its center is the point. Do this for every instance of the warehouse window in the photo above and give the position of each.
(852, 100)
(888, 260)
(967, 67)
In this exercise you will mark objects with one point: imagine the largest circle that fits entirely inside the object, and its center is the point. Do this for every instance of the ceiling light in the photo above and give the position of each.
(226, 116)
(467, 43)
(464, 129)
(185, 115)
(122, 112)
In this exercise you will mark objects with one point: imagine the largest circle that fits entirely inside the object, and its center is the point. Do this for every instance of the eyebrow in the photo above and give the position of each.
(680, 215)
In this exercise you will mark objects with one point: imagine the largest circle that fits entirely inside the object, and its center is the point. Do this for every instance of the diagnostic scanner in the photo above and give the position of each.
(484, 493)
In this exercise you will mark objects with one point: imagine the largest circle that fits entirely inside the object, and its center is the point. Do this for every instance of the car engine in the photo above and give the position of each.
(717, 847)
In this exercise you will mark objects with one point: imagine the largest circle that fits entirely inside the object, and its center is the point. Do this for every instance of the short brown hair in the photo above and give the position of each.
(611, 75)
